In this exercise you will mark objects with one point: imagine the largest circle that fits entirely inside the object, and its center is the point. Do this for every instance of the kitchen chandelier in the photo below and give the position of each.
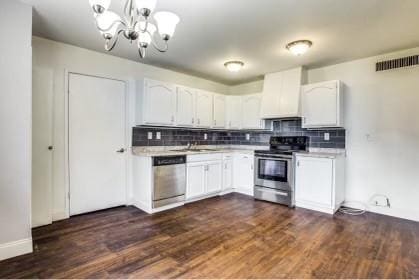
(136, 25)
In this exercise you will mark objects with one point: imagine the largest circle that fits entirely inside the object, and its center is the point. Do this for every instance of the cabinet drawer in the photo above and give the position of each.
(204, 157)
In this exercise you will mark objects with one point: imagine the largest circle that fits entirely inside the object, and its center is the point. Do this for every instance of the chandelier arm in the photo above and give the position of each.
(110, 48)
(163, 49)
(112, 25)
(141, 29)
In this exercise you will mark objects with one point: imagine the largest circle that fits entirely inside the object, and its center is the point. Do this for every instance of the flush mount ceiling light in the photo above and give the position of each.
(234, 66)
(135, 25)
(299, 47)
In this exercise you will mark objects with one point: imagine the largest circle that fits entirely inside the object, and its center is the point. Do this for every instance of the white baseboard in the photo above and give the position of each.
(15, 248)
(245, 191)
(59, 215)
(142, 206)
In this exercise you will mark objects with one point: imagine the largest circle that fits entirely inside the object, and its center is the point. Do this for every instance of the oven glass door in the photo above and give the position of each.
(273, 170)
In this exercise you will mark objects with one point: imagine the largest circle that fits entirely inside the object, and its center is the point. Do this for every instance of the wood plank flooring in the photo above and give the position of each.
(224, 237)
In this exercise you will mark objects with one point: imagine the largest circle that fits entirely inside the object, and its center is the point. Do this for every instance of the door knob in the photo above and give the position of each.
(121, 151)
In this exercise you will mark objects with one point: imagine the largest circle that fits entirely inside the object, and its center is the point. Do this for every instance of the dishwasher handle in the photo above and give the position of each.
(169, 160)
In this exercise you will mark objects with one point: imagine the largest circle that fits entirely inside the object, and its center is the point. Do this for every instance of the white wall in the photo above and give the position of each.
(15, 127)
(382, 122)
(60, 57)
(247, 88)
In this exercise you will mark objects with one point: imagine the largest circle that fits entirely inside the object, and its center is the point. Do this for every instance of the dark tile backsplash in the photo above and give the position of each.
(181, 136)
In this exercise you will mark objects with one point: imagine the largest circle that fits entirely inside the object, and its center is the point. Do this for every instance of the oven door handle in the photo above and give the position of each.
(275, 158)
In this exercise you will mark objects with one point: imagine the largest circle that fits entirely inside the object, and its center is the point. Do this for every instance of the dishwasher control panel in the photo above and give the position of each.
(169, 160)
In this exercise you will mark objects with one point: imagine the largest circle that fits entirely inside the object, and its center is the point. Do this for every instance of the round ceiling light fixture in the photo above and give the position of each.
(234, 66)
(299, 47)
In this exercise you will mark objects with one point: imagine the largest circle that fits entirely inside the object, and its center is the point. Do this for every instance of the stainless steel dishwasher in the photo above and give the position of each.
(169, 173)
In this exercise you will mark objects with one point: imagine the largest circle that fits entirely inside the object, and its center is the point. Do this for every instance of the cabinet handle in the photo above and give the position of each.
(251, 167)
(215, 122)
(199, 121)
(298, 163)
(173, 118)
(193, 120)
(229, 123)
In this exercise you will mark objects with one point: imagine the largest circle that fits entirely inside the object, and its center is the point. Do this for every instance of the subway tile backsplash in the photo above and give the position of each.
(182, 136)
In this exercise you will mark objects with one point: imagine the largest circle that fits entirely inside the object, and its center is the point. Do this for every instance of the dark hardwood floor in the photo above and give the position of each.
(224, 237)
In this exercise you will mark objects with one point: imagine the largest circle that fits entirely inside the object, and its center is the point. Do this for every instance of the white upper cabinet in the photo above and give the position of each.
(251, 112)
(219, 111)
(185, 107)
(281, 94)
(233, 112)
(322, 105)
(158, 103)
(203, 111)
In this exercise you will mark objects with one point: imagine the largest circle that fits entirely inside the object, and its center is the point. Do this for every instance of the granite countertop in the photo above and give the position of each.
(174, 151)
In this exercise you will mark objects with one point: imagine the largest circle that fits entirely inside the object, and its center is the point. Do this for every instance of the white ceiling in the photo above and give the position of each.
(255, 31)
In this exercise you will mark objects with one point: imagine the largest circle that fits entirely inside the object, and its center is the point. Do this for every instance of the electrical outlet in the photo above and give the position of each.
(158, 135)
(327, 136)
(205, 136)
(150, 136)
(248, 137)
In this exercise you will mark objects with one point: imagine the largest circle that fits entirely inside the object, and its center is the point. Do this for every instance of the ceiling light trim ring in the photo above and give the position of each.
(307, 43)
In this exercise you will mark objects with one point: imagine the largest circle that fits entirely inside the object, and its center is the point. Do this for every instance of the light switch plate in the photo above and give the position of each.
(327, 136)
(158, 135)
(150, 136)
(205, 136)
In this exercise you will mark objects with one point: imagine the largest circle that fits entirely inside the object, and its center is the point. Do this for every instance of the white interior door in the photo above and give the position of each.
(42, 114)
(96, 143)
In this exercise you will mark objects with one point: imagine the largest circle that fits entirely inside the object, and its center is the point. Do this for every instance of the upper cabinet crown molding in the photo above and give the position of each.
(281, 94)
(322, 105)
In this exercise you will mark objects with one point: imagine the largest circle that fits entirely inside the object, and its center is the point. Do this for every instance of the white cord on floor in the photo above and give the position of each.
(353, 210)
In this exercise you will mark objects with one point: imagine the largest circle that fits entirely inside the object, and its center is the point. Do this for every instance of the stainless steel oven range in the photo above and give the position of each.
(274, 169)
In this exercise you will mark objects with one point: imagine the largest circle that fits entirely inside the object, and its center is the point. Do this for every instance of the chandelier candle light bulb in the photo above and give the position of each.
(135, 25)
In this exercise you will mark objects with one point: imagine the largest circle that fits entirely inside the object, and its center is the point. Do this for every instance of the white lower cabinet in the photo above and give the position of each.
(319, 183)
(227, 173)
(243, 173)
(203, 178)
(195, 180)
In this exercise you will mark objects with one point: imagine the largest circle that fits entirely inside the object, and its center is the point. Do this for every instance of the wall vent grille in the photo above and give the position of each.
(397, 63)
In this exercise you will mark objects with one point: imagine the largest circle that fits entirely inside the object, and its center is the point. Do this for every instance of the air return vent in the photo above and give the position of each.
(397, 63)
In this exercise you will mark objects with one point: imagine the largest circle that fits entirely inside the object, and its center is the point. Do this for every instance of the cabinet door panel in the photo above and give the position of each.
(203, 109)
(243, 172)
(185, 107)
(214, 177)
(320, 105)
(233, 112)
(196, 181)
(227, 174)
(251, 112)
(159, 103)
(314, 180)
(219, 111)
